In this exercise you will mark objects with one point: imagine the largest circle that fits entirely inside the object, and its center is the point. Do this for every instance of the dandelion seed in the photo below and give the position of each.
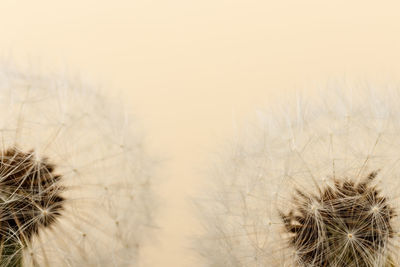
(74, 178)
(330, 192)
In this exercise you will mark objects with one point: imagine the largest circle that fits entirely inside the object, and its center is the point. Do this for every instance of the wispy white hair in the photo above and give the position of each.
(341, 133)
(105, 170)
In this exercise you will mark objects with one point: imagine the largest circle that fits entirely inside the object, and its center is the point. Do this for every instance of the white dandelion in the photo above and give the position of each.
(75, 181)
(315, 184)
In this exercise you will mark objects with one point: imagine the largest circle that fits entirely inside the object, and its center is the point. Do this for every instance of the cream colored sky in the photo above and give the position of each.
(191, 69)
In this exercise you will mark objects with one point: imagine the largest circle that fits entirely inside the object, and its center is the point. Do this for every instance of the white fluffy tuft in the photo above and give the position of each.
(341, 134)
(105, 170)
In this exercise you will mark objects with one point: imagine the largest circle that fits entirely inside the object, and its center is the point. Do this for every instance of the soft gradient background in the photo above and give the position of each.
(192, 69)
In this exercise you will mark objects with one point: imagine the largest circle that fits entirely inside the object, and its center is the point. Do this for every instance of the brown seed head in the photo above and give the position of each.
(347, 224)
(29, 194)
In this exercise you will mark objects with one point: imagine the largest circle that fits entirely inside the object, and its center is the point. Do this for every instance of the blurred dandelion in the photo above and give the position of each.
(75, 181)
(314, 184)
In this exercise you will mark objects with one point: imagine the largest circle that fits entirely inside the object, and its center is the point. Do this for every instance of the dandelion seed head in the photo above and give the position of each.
(75, 179)
(324, 171)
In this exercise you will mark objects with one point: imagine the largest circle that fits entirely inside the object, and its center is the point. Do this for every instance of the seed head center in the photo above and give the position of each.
(347, 211)
(375, 209)
(32, 191)
(350, 236)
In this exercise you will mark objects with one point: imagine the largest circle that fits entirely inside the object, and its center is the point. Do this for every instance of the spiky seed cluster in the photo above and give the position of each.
(30, 199)
(30, 194)
(348, 224)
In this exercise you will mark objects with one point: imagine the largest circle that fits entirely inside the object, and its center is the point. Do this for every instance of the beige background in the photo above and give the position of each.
(192, 69)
